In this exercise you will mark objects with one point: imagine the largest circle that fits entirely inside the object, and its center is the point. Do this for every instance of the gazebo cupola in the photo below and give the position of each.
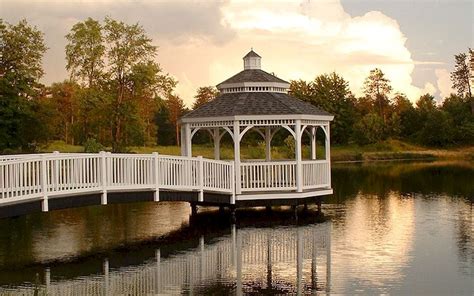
(252, 60)
(257, 100)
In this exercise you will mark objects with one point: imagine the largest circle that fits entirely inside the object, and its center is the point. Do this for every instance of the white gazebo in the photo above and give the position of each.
(256, 100)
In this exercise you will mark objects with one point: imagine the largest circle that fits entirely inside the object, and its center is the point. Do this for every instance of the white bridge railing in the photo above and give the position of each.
(39, 176)
(60, 174)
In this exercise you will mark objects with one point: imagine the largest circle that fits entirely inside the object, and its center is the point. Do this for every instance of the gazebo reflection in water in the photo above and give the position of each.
(293, 259)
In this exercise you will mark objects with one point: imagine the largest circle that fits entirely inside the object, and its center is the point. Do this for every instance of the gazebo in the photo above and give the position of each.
(257, 100)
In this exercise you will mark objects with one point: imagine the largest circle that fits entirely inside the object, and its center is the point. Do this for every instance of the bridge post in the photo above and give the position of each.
(103, 164)
(44, 184)
(156, 194)
(56, 171)
(201, 179)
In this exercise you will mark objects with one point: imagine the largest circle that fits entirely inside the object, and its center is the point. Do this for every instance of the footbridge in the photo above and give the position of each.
(43, 182)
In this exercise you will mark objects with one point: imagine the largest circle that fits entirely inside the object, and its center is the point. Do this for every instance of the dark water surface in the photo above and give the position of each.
(398, 228)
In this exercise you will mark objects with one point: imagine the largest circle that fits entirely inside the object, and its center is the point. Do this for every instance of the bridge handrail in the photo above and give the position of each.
(39, 176)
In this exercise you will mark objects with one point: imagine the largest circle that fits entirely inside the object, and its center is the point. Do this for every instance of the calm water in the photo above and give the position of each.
(399, 228)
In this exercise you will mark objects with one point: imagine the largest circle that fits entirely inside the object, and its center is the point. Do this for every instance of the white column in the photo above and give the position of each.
(201, 179)
(268, 141)
(217, 143)
(183, 140)
(328, 153)
(187, 136)
(313, 142)
(237, 156)
(328, 144)
(299, 167)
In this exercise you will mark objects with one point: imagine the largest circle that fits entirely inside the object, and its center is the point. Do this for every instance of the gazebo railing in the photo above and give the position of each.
(265, 176)
(316, 174)
(281, 175)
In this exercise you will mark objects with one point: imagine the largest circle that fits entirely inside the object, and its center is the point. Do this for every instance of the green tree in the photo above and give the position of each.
(85, 52)
(128, 48)
(377, 87)
(461, 76)
(404, 110)
(65, 102)
(204, 95)
(165, 134)
(176, 109)
(21, 51)
(459, 111)
(331, 93)
(122, 82)
(370, 129)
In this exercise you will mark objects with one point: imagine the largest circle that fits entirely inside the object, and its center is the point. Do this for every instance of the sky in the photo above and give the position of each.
(202, 43)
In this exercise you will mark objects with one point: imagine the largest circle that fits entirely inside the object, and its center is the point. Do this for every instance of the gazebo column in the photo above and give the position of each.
(187, 141)
(327, 146)
(183, 140)
(236, 137)
(217, 143)
(268, 141)
(327, 149)
(299, 167)
(313, 142)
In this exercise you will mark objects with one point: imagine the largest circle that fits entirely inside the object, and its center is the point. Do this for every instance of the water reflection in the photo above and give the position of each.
(292, 259)
(401, 228)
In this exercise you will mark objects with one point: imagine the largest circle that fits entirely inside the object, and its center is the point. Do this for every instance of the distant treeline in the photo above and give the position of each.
(118, 96)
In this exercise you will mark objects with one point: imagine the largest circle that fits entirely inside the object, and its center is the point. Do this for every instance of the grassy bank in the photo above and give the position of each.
(388, 150)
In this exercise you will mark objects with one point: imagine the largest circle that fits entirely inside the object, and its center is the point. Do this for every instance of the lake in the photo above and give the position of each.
(390, 227)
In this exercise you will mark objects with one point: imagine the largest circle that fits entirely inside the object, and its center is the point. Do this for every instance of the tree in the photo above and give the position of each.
(331, 93)
(368, 130)
(461, 76)
(377, 87)
(21, 51)
(403, 108)
(128, 48)
(204, 95)
(65, 102)
(176, 109)
(459, 110)
(85, 51)
(165, 134)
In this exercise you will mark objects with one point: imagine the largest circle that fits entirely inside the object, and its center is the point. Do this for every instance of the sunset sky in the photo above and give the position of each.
(202, 42)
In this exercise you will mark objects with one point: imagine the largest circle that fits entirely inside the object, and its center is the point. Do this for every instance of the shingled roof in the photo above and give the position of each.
(252, 54)
(255, 103)
(252, 75)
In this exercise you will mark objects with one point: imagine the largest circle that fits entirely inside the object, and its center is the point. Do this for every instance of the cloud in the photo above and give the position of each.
(444, 82)
(201, 43)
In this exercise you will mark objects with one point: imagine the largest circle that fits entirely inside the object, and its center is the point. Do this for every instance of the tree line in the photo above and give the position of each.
(117, 95)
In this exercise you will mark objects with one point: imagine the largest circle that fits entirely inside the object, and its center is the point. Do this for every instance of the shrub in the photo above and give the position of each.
(93, 146)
